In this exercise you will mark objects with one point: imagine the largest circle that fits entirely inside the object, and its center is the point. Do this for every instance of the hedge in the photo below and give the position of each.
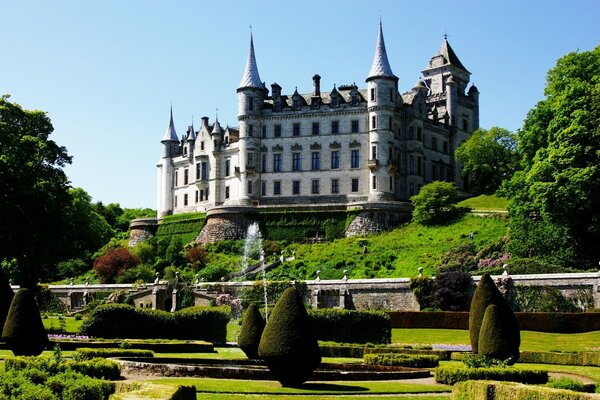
(582, 359)
(450, 375)
(402, 360)
(155, 345)
(96, 368)
(358, 351)
(528, 321)
(124, 321)
(475, 390)
(349, 326)
(86, 353)
(297, 225)
(187, 226)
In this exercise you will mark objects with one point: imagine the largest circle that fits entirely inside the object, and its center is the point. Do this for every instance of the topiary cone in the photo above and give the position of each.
(24, 332)
(6, 296)
(495, 339)
(252, 328)
(288, 345)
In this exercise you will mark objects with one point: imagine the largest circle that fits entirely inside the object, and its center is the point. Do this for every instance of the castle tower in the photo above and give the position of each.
(382, 91)
(170, 144)
(251, 94)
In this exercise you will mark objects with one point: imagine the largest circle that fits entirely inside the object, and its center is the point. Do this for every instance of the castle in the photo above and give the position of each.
(346, 146)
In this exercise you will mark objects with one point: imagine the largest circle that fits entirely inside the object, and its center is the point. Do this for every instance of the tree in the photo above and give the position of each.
(288, 345)
(23, 330)
(113, 263)
(555, 206)
(436, 203)
(488, 157)
(34, 191)
(251, 330)
(494, 336)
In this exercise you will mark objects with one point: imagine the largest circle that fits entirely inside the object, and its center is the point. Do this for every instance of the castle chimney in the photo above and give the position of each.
(205, 122)
(317, 85)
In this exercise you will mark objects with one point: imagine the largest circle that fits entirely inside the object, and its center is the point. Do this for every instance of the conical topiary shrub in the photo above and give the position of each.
(485, 295)
(6, 296)
(24, 331)
(252, 328)
(288, 344)
(494, 339)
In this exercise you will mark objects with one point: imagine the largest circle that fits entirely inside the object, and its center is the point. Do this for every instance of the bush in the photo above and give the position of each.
(494, 336)
(485, 295)
(452, 290)
(449, 375)
(349, 326)
(436, 204)
(252, 328)
(124, 321)
(197, 257)
(86, 353)
(423, 288)
(459, 258)
(24, 332)
(566, 384)
(111, 264)
(141, 272)
(583, 358)
(288, 345)
(95, 368)
(475, 390)
(402, 360)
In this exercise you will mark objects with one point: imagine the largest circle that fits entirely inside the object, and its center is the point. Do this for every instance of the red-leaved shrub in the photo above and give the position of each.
(113, 263)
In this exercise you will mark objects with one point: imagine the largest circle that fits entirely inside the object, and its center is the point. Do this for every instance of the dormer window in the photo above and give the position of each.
(296, 103)
(334, 101)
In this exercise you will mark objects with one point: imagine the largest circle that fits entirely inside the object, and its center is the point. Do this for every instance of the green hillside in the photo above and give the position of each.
(486, 203)
(397, 253)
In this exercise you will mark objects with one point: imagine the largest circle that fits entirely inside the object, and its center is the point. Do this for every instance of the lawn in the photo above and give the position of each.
(486, 203)
(71, 324)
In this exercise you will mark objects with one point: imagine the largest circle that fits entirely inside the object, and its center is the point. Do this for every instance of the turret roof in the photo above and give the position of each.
(170, 134)
(192, 133)
(217, 127)
(381, 65)
(251, 78)
(450, 55)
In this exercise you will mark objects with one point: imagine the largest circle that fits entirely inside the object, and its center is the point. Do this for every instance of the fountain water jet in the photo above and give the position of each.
(253, 249)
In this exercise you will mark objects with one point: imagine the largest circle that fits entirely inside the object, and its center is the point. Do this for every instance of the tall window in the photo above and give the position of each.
(354, 185)
(335, 159)
(186, 176)
(335, 126)
(315, 186)
(250, 159)
(419, 169)
(295, 187)
(374, 182)
(176, 177)
(374, 122)
(296, 163)
(263, 188)
(411, 164)
(296, 129)
(185, 199)
(277, 188)
(335, 185)
(250, 187)
(277, 162)
(204, 170)
(316, 160)
(197, 196)
(411, 132)
(354, 126)
(277, 131)
(434, 143)
(263, 163)
(227, 167)
(372, 94)
(226, 192)
(354, 158)
(198, 171)
(316, 128)
(391, 184)
(251, 130)
(419, 134)
(373, 152)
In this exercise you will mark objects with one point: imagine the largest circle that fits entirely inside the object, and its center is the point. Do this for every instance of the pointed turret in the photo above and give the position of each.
(251, 78)
(217, 127)
(381, 66)
(449, 55)
(170, 134)
(191, 133)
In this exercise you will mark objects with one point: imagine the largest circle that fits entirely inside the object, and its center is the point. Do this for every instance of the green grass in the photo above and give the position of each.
(220, 396)
(71, 327)
(397, 253)
(486, 203)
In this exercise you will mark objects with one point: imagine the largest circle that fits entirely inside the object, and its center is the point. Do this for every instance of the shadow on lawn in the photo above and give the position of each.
(332, 387)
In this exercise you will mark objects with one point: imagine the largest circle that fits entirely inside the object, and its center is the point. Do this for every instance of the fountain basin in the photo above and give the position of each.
(257, 370)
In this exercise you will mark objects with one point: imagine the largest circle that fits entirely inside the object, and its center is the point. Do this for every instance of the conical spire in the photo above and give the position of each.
(251, 78)
(381, 65)
(217, 127)
(191, 132)
(170, 134)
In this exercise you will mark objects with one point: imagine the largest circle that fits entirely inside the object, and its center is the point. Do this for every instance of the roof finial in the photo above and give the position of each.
(445, 35)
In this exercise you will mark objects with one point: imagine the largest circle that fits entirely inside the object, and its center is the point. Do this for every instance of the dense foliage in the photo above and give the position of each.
(473, 390)
(555, 207)
(114, 263)
(124, 321)
(493, 337)
(351, 326)
(24, 332)
(488, 157)
(449, 375)
(86, 353)
(288, 344)
(449, 291)
(436, 204)
(251, 331)
(402, 360)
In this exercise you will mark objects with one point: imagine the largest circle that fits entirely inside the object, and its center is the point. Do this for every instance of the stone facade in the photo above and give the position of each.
(345, 145)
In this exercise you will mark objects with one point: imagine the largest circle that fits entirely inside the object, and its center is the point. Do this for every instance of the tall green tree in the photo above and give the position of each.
(488, 157)
(33, 191)
(555, 199)
(436, 203)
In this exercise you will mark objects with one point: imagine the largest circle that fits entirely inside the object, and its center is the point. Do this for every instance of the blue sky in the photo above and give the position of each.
(107, 71)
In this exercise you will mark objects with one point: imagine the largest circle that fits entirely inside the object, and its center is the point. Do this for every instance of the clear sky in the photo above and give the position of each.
(106, 72)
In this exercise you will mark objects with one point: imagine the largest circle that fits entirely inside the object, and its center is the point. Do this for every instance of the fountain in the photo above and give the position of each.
(253, 250)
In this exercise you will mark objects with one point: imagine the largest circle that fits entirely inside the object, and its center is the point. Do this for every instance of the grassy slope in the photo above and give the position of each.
(397, 253)
(484, 202)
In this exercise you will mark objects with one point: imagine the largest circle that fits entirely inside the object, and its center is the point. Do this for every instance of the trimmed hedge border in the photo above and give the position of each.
(582, 359)
(402, 360)
(124, 321)
(475, 390)
(358, 351)
(350, 326)
(89, 353)
(157, 347)
(528, 321)
(450, 375)
(96, 368)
